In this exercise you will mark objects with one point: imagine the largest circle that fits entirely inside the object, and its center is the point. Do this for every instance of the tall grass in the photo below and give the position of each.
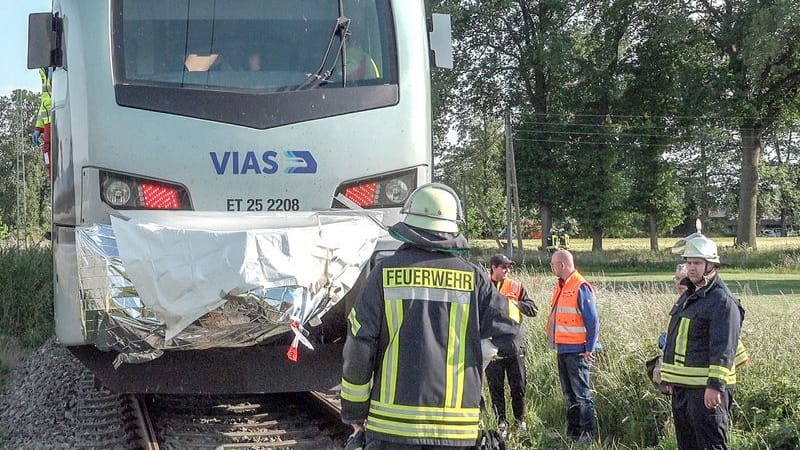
(631, 413)
(26, 300)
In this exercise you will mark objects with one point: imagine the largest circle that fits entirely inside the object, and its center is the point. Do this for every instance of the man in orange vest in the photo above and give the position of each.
(573, 329)
(510, 348)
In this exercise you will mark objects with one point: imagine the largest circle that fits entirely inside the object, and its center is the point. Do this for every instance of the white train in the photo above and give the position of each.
(212, 120)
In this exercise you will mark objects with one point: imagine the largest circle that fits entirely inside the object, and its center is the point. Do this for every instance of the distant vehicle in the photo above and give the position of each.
(771, 232)
(557, 240)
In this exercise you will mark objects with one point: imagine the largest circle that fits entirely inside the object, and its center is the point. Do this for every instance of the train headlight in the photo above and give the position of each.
(117, 193)
(397, 191)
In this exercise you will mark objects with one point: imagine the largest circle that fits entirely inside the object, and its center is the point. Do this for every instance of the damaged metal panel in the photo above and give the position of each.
(156, 281)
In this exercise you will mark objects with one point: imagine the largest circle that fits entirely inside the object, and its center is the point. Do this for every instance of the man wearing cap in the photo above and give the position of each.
(412, 372)
(510, 348)
(702, 349)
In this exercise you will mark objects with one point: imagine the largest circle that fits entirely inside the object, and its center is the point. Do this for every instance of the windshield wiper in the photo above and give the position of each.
(323, 74)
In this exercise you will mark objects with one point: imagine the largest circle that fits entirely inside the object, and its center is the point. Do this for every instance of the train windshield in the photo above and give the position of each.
(256, 46)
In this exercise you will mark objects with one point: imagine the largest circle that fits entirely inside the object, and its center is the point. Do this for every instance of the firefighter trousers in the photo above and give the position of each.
(697, 427)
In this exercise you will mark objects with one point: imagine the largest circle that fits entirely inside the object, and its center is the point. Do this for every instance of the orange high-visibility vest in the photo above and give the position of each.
(512, 290)
(569, 326)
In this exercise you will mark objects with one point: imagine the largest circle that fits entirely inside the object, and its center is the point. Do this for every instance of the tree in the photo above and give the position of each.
(17, 111)
(597, 186)
(511, 54)
(779, 187)
(757, 79)
(651, 102)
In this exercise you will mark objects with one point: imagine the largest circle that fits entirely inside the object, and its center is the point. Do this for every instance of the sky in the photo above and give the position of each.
(14, 73)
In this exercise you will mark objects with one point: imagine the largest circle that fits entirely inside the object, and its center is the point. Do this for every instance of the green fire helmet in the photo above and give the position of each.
(434, 207)
(696, 245)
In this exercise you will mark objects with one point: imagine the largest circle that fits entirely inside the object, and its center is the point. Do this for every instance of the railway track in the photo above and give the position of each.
(261, 422)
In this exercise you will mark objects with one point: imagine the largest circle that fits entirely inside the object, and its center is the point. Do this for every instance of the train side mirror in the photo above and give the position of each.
(44, 40)
(440, 40)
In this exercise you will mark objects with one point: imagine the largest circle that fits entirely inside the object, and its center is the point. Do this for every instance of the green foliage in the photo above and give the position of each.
(21, 168)
(26, 299)
(629, 112)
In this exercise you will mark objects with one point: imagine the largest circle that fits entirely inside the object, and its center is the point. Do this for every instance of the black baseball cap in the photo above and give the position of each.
(500, 259)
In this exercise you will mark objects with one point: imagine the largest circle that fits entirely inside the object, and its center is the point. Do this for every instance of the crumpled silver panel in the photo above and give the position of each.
(116, 318)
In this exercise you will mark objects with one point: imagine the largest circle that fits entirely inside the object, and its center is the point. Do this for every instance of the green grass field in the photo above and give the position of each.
(635, 291)
(643, 244)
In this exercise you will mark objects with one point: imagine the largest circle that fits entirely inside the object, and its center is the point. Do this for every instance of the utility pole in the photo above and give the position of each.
(464, 198)
(19, 174)
(512, 193)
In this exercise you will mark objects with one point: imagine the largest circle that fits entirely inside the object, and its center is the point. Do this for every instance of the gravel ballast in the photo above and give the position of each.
(48, 401)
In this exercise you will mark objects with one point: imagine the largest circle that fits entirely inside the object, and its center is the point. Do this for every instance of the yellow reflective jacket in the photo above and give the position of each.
(45, 101)
(412, 360)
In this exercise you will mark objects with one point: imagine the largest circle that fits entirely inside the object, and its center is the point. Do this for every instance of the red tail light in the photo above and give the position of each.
(363, 195)
(160, 197)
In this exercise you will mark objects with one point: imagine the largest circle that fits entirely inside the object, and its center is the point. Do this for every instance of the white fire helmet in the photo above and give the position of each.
(696, 245)
(434, 207)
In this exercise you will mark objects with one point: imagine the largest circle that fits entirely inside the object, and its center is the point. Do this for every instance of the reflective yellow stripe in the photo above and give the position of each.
(422, 431)
(456, 349)
(355, 392)
(682, 340)
(722, 370)
(355, 325)
(692, 376)
(513, 311)
(394, 319)
(423, 421)
(741, 355)
(426, 412)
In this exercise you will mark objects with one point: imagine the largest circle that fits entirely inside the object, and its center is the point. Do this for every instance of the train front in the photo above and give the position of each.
(223, 172)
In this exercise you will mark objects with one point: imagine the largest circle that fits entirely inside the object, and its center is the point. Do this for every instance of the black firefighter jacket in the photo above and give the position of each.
(412, 359)
(703, 337)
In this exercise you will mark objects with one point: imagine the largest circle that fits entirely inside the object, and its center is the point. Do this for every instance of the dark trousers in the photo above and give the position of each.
(697, 427)
(514, 368)
(573, 373)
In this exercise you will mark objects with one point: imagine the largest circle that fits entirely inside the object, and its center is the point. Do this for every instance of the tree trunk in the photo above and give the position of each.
(485, 216)
(597, 239)
(748, 189)
(653, 233)
(784, 228)
(546, 214)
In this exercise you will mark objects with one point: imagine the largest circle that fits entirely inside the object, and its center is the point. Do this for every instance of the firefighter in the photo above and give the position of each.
(41, 131)
(412, 360)
(702, 349)
(511, 349)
